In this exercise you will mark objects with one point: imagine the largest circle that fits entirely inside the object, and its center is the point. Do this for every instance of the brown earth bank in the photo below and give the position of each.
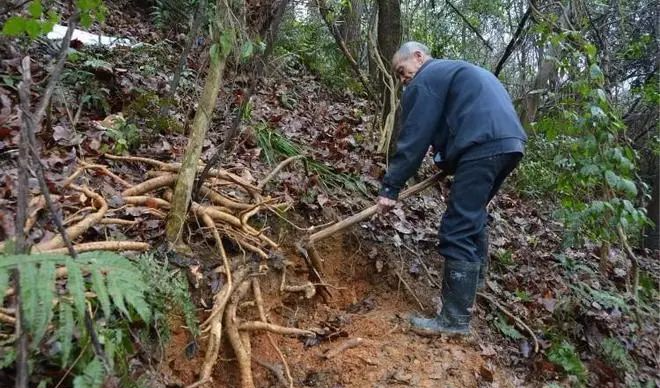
(368, 307)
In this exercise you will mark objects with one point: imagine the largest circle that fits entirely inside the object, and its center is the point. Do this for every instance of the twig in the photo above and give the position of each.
(275, 370)
(474, 29)
(348, 344)
(410, 290)
(522, 325)
(277, 170)
(513, 42)
(57, 70)
(198, 17)
(200, 383)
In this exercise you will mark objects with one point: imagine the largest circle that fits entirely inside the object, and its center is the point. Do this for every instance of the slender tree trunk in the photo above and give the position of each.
(389, 39)
(351, 27)
(207, 103)
(652, 233)
(200, 15)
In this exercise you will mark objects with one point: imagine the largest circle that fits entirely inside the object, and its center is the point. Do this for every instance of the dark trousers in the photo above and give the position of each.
(463, 235)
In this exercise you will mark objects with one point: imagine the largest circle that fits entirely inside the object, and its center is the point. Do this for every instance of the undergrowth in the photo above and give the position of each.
(275, 145)
(126, 300)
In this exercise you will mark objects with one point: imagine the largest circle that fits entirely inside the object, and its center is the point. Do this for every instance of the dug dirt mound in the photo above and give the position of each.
(364, 337)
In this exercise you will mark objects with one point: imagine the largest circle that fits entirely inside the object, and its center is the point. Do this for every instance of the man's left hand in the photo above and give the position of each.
(385, 204)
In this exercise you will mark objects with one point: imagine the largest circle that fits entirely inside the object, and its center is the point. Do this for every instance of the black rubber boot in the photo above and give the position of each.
(459, 288)
(482, 252)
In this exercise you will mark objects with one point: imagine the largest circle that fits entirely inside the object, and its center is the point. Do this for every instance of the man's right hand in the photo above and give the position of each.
(385, 204)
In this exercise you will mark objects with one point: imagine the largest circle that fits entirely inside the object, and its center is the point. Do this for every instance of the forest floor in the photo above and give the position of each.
(378, 272)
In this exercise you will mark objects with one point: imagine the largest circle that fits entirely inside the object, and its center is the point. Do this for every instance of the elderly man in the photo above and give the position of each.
(464, 113)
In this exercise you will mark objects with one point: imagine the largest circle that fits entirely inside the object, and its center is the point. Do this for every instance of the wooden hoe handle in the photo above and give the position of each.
(370, 211)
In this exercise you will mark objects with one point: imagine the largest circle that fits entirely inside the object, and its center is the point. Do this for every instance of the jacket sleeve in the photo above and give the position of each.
(422, 112)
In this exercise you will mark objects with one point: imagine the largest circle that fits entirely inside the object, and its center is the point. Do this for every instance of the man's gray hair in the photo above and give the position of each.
(408, 48)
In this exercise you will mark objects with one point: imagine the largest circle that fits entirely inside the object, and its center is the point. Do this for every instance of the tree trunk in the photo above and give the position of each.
(389, 29)
(389, 39)
(652, 233)
(351, 27)
(207, 102)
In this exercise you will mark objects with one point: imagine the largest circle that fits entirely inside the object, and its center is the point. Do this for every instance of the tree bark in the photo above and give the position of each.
(351, 27)
(652, 233)
(207, 102)
(389, 39)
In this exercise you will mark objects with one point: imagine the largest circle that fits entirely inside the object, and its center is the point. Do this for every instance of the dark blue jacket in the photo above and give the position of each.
(460, 109)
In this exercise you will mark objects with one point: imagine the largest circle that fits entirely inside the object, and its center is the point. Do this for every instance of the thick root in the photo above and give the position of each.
(81, 227)
(149, 185)
(104, 246)
(242, 356)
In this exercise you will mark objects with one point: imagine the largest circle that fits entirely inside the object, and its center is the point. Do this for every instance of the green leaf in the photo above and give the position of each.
(27, 274)
(226, 42)
(214, 52)
(45, 295)
(14, 26)
(76, 287)
(247, 50)
(564, 355)
(116, 287)
(65, 331)
(507, 329)
(99, 287)
(35, 9)
(33, 28)
(612, 178)
(628, 187)
(92, 377)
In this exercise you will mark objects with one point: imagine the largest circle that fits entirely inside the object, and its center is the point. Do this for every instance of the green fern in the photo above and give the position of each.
(76, 287)
(92, 376)
(65, 331)
(117, 282)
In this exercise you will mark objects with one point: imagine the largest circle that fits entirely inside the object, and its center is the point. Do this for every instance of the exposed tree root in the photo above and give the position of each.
(242, 356)
(277, 170)
(221, 200)
(143, 200)
(149, 185)
(81, 227)
(105, 246)
(348, 344)
(256, 290)
(276, 370)
(263, 326)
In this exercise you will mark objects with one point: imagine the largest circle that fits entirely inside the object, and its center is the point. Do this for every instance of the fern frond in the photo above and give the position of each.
(27, 275)
(4, 284)
(99, 287)
(45, 292)
(136, 299)
(76, 287)
(116, 288)
(13, 261)
(65, 331)
(92, 376)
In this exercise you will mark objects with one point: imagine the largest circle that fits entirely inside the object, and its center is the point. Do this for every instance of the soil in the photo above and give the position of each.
(367, 304)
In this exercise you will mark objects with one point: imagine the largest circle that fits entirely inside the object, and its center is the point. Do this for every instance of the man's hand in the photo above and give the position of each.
(385, 204)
